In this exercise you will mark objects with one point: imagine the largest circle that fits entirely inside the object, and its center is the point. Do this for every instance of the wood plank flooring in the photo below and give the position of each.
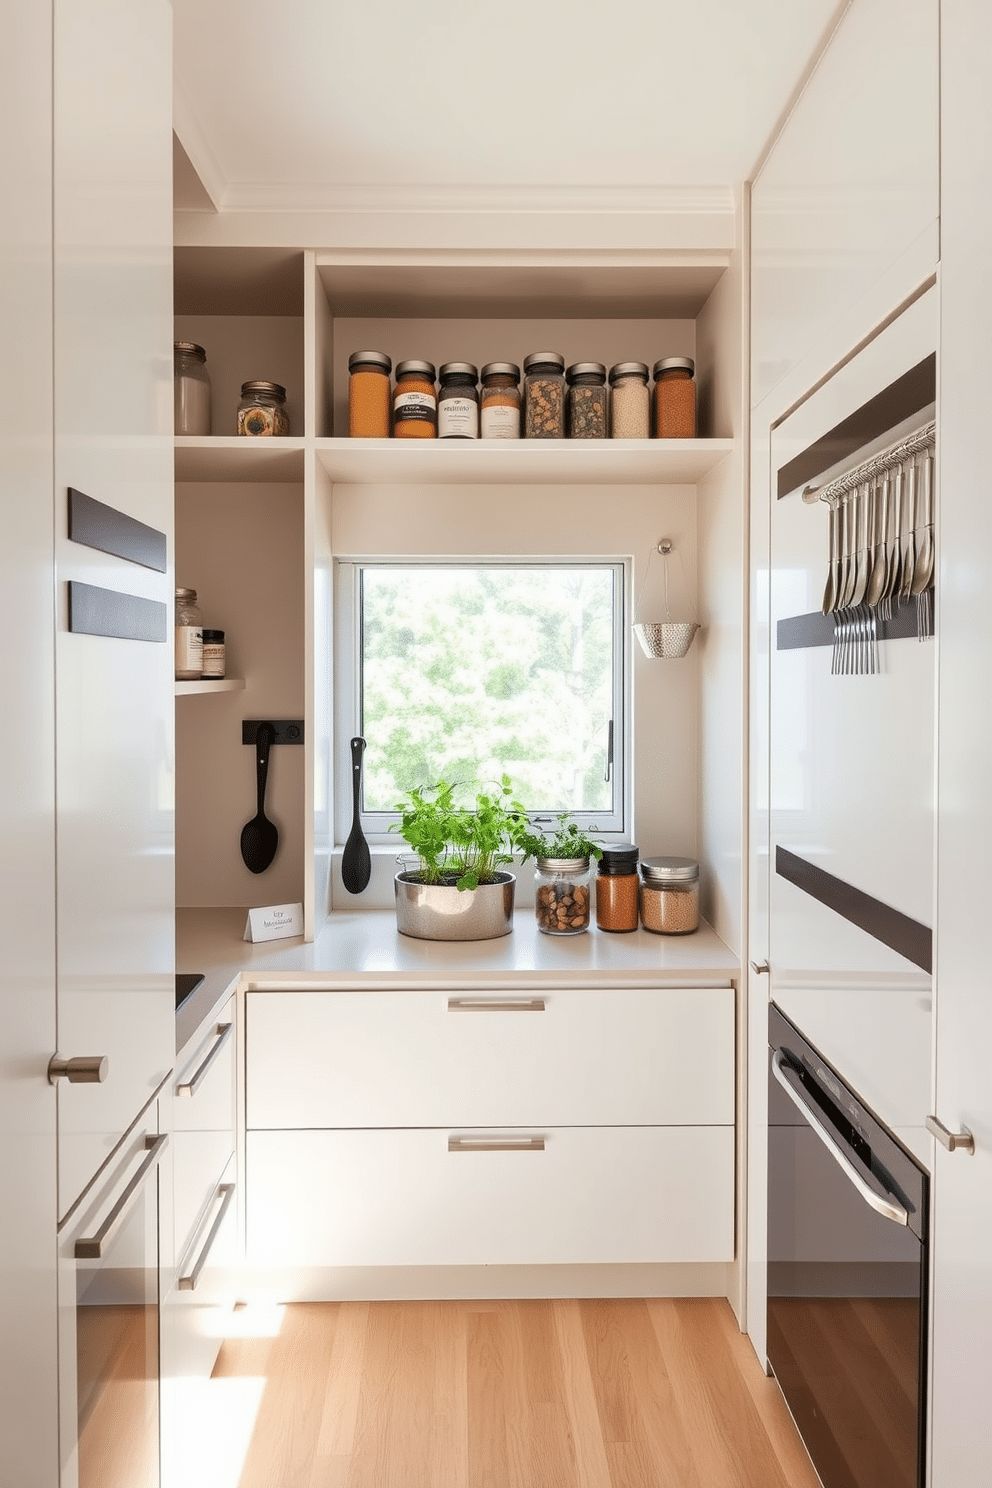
(530, 1394)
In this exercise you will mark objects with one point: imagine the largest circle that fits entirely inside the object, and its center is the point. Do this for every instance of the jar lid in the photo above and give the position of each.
(501, 369)
(426, 368)
(619, 860)
(544, 359)
(629, 369)
(585, 369)
(669, 870)
(562, 865)
(370, 359)
(185, 593)
(669, 364)
(190, 348)
(274, 389)
(459, 369)
(213, 637)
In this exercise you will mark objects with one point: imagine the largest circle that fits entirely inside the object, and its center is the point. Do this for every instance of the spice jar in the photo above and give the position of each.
(499, 415)
(191, 387)
(368, 394)
(189, 637)
(630, 401)
(544, 395)
(458, 401)
(586, 400)
(262, 409)
(670, 895)
(414, 401)
(213, 654)
(562, 895)
(616, 888)
(674, 398)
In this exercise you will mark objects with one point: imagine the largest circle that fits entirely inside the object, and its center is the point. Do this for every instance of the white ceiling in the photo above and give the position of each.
(485, 104)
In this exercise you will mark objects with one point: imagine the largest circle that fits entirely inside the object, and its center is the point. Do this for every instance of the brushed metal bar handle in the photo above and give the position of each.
(888, 1208)
(496, 1005)
(83, 1069)
(91, 1247)
(962, 1141)
(495, 1144)
(760, 968)
(190, 1087)
(188, 1282)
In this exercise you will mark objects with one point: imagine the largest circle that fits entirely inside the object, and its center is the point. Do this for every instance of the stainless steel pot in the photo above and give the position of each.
(442, 912)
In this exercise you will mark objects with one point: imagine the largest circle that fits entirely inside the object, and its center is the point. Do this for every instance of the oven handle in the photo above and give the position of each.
(888, 1208)
(90, 1247)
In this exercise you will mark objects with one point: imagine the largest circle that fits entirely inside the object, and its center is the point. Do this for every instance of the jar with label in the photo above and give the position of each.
(191, 387)
(562, 895)
(616, 888)
(670, 895)
(544, 395)
(262, 409)
(213, 654)
(368, 394)
(458, 401)
(414, 401)
(189, 637)
(586, 400)
(500, 411)
(630, 401)
(674, 398)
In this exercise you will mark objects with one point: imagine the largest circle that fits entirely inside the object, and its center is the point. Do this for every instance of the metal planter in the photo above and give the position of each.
(442, 912)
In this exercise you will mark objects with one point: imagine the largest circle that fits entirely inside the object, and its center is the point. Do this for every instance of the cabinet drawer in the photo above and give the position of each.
(204, 1083)
(559, 1057)
(398, 1198)
(199, 1159)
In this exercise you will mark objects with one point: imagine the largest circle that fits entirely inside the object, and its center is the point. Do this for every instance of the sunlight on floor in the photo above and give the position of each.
(217, 1418)
(259, 1319)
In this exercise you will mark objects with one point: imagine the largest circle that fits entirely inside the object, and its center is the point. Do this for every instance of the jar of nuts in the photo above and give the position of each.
(562, 895)
(544, 395)
(586, 416)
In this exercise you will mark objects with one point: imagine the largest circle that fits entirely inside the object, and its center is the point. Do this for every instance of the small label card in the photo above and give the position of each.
(277, 922)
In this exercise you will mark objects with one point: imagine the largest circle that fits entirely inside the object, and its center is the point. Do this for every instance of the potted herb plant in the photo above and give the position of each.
(562, 889)
(457, 887)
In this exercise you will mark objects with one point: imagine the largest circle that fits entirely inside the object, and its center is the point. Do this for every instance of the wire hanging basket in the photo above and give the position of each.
(668, 639)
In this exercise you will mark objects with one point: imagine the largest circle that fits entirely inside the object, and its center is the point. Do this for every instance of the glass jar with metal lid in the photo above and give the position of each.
(368, 394)
(544, 395)
(262, 409)
(191, 387)
(458, 401)
(189, 637)
(499, 413)
(616, 888)
(414, 401)
(674, 398)
(561, 898)
(670, 895)
(586, 403)
(630, 401)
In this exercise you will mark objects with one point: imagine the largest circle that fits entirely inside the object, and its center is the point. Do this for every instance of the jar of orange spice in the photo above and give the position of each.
(500, 413)
(368, 394)
(616, 888)
(674, 398)
(415, 401)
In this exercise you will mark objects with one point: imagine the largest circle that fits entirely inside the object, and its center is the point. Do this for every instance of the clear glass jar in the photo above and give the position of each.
(616, 888)
(262, 409)
(544, 395)
(414, 401)
(630, 401)
(189, 637)
(191, 387)
(368, 394)
(561, 898)
(586, 403)
(214, 654)
(458, 401)
(499, 415)
(674, 398)
(670, 895)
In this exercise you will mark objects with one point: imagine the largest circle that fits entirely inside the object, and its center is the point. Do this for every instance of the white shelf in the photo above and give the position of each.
(641, 462)
(237, 458)
(217, 684)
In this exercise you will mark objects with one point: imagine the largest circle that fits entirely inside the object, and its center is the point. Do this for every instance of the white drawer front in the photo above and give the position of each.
(199, 1159)
(398, 1198)
(562, 1058)
(204, 1083)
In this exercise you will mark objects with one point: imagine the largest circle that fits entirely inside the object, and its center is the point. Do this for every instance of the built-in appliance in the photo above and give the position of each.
(848, 1212)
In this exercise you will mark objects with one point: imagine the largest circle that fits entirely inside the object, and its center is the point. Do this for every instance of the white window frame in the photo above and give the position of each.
(604, 826)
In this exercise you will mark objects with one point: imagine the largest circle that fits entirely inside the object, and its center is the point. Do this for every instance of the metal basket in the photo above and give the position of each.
(668, 638)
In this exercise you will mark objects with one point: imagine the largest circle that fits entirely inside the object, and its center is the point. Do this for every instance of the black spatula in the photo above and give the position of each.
(260, 837)
(356, 860)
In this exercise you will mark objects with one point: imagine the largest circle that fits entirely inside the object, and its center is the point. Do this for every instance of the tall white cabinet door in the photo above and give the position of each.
(962, 1249)
(113, 428)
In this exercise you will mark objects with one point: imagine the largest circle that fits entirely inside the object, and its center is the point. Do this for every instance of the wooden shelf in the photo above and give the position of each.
(219, 684)
(234, 458)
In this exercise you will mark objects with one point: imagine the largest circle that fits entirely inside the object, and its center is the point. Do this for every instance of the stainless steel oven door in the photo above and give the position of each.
(109, 1321)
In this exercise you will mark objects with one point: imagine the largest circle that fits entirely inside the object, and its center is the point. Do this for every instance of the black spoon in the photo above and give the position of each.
(356, 860)
(260, 837)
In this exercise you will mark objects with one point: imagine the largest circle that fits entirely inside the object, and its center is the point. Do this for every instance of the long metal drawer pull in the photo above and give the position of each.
(190, 1087)
(91, 1247)
(888, 1208)
(962, 1141)
(188, 1282)
(495, 1144)
(496, 1005)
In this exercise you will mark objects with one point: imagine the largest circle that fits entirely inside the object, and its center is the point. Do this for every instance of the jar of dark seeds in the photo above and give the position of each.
(562, 895)
(544, 395)
(586, 417)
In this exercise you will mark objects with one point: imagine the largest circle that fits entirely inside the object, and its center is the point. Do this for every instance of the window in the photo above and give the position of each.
(464, 671)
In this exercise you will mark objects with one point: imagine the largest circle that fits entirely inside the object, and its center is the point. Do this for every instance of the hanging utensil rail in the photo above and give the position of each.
(913, 444)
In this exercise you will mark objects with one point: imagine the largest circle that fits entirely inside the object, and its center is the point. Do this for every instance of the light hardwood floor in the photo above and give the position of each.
(531, 1394)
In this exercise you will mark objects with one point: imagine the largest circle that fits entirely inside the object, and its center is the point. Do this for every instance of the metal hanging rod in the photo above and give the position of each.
(913, 444)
